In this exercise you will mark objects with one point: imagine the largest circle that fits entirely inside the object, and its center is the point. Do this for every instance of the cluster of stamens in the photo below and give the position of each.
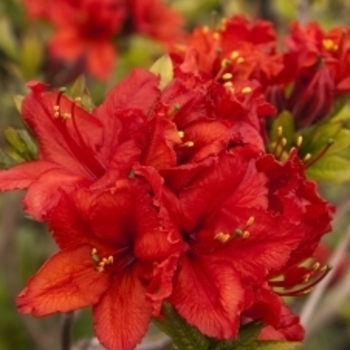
(329, 45)
(238, 232)
(281, 144)
(306, 281)
(186, 144)
(100, 263)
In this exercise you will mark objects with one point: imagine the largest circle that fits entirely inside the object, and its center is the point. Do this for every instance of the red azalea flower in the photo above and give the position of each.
(82, 149)
(238, 50)
(316, 67)
(111, 241)
(234, 241)
(85, 28)
(156, 20)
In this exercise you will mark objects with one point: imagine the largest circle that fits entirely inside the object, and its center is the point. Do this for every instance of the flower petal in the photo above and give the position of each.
(123, 315)
(209, 295)
(66, 282)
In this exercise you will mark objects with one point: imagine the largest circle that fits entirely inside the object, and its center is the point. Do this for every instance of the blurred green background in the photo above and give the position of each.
(25, 244)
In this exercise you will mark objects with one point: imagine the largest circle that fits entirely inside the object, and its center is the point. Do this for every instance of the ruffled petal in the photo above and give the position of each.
(66, 282)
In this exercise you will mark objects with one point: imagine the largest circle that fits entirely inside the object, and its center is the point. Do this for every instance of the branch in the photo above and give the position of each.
(66, 331)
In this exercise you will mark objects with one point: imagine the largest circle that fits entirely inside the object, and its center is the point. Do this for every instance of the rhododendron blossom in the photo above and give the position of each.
(168, 196)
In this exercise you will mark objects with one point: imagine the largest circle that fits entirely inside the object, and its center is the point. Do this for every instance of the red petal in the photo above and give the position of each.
(209, 295)
(66, 282)
(101, 56)
(23, 175)
(44, 193)
(122, 317)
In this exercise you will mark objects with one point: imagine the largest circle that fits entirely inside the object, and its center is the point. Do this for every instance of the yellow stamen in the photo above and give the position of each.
(205, 29)
(307, 157)
(246, 90)
(222, 237)
(225, 63)
(188, 144)
(299, 141)
(316, 266)
(228, 84)
(250, 221)
(216, 36)
(279, 131)
(181, 134)
(234, 55)
(240, 60)
(227, 76)
(246, 234)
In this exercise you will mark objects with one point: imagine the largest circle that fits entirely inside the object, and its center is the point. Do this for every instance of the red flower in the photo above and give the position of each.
(235, 243)
(82, 149)
(239, 50)
(85, 29)
(316, 67)
(111, 241)
(156, 20)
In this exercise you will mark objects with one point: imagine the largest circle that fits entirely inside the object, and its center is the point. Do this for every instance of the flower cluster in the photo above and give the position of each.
(168, 196)
(84, 29)
(307, 77)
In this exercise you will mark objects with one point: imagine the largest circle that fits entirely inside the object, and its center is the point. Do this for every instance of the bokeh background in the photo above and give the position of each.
(25, 244)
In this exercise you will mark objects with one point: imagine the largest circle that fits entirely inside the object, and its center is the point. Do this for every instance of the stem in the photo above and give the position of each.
(66, 332)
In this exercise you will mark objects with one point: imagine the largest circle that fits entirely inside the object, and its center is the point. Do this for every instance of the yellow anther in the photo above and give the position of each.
(110, 260)
(93, 251)
(205, 29)
(227, 76)
(284, 142)
(329, 45)
(188, 144)
(279, 131)
(307, 157)
(100, 269)
(240, 60)
(250, 221)
(228, 84)
(316, 266)
(181, 134)
(56, 115)
(56, 108)
(66, 116)
(222, 237)
(246, 234)
(307, 291)
(299, 141)
(77, 99)
(324, 268)
(234, 55)
(246, 90)
(306, 278)
(225, 63)
(216, 36)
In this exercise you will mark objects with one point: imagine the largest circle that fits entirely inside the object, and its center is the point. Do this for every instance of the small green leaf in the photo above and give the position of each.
(31, 55)
(18, 99)
(78, 88)
(164, 68)
(184, 336)
(8, 43)
(22, 143)
(276, 345)
(246, 339)
(330, 168)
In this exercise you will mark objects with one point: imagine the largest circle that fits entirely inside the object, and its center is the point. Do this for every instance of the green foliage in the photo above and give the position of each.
(163, 67)
(276, 345)
(184, 336)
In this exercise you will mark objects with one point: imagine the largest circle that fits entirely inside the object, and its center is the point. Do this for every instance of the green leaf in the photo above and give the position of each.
(31, 55)
(164, 68)
(184, 336)
(22, 143)
(246, 339)
(330, 168)
(78, 87)
(276, 345)
(18, 99)
(8, 43)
